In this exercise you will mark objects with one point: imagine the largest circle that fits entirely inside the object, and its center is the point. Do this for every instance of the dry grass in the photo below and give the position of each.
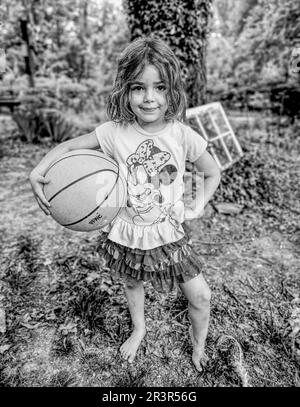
(66, 316)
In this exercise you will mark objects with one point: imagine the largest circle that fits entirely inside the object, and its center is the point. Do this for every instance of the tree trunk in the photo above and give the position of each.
(196, 80)
(183, 24)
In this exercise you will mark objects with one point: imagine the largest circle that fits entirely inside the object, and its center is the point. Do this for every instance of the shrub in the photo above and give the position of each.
(29, 125)
(44, 123)
(251, 182)
(56, 126)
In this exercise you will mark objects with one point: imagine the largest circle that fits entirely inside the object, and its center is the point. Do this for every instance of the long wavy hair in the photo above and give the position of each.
(131, 63)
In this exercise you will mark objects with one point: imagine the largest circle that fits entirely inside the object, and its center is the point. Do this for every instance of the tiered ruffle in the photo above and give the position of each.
(121, 230)
(163, 266)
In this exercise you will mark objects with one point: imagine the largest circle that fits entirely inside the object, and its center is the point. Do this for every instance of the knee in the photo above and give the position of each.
(201, 299)
(132, 283)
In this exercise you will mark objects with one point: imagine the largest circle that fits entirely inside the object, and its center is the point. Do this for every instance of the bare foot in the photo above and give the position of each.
(199, 357)
(129, 347)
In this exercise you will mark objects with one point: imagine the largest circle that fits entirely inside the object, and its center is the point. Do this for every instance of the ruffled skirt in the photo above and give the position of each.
(164, 266)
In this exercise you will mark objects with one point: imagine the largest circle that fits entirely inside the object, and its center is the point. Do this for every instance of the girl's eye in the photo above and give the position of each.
(136, 88)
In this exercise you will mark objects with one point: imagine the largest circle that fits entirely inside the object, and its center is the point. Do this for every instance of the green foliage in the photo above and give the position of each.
(38, 117)
(220, 54)
(249, 55)
(59, 108)
(232, 16)
(285, 100)
(259, 180)
(29, 125)
(74, 46)
(43, 123)
(268, 37)
(263, 46)
(184, 26)
(250, 183)
(57, 127)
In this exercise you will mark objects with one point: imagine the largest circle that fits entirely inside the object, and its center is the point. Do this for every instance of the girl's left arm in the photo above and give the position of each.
(212, 177)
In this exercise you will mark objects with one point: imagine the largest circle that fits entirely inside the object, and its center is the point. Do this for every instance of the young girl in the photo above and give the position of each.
(146, 136)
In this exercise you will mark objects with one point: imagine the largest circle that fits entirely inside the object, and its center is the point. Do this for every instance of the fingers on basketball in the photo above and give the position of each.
(43, 205)
(40, 193)
(43, 180)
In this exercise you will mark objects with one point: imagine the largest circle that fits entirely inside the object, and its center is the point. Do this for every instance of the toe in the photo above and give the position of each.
(199, 367)
(205, 360)
(130, 359)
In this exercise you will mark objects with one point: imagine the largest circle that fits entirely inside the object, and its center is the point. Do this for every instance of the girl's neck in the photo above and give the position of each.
(153, 127)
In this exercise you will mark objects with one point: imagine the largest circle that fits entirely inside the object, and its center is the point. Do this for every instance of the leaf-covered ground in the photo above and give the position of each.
(63, 317)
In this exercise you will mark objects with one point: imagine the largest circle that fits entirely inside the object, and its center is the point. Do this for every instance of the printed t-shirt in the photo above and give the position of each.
(153, 166)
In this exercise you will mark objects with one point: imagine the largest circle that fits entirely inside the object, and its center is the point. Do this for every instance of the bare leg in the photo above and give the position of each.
(134, 291)
(198, 294)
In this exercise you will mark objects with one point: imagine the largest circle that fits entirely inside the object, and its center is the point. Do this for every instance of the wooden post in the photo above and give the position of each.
(28, 54)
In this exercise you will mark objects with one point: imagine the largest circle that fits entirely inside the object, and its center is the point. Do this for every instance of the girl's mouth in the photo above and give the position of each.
(148, 109)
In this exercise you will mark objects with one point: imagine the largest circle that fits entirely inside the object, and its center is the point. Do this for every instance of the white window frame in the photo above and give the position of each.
(194, 113)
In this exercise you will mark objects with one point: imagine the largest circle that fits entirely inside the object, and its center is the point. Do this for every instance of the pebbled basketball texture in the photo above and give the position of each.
(86, 190)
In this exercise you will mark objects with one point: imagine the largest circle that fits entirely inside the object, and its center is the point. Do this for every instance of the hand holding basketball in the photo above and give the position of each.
(37, 181)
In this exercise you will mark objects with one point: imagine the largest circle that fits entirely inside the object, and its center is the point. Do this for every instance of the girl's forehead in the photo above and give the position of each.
(151, 72)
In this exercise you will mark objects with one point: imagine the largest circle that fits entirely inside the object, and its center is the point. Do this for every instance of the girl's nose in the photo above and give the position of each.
(148, 95)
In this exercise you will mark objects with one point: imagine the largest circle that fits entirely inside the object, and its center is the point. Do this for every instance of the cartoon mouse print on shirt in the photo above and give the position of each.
(147, 171)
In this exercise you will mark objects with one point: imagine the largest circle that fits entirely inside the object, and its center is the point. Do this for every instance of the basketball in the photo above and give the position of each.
(86, 190)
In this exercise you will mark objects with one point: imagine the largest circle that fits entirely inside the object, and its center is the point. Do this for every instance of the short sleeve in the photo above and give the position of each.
(195, 144)
(105, 134)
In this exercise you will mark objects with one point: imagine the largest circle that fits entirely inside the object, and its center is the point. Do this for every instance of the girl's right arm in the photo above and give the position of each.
(36, 176)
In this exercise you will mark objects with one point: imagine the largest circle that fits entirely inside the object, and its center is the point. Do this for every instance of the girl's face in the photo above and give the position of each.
(148, 99)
